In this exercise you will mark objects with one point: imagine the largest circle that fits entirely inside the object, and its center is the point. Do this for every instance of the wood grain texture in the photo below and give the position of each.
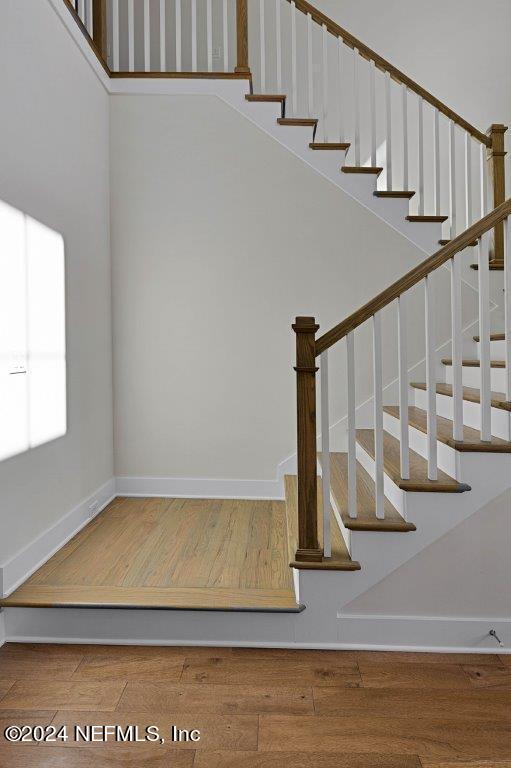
(364, 169)
(133, 756)
(471, 437)
(303, 760)
(427, 219)
(495, 266)
(471, 394)
(396, 675)
(475, 363)
(56, 694)
(329, 145)
(242, 61)
(418, 481)
(366, 501)
(413, 277)
(489, 677)
(216, 699)
(171, 553)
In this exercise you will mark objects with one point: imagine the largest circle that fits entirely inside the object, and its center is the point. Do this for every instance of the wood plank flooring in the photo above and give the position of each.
(259, 708)
(171, 553)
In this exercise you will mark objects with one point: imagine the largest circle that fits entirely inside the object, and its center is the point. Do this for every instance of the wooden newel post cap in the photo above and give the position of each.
(305, 325)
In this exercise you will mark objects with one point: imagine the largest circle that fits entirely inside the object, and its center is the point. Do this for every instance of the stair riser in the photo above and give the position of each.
(471, 377)
(346, 533)
(497, 350)
(396, 496)
(500, 420)
(447, 459)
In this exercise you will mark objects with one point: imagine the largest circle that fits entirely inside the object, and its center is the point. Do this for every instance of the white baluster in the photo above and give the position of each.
(421, 156)
(325, 454)
(484, 336)
(163, 37)
(294, 85)
(209, 35)
(194, 34)
(483, 180)
(429, 297)
(262, 47)
(378, 418)
(388, 109)
(81, 10)
(405, 139)
(468, 179)
(341, 99)
(178, 36)
(452, 178)
(115, 35)
(507, 305)
(278, 44)
(403, 387)
(225, 35)
(372, 106)
(457, 348)
(310, 65)
(89, 17)
(436, 145)
(325, 81)
(352, 444)
(356, 101)
(131, 36)
(147, 37)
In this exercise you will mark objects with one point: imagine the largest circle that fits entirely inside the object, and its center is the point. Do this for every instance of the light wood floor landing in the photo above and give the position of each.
(171, 553)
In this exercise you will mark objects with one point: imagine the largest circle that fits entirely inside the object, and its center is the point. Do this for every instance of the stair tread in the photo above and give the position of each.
(475, 363)
(418, 466)
(427, 219)
(494, 266)
(265, 97)
(361, 169)
(297, 121)
(471, 394)
(328, 145)
(366, 504)
(494, 337)
(340, 560)
(417, 418)
(393, 193)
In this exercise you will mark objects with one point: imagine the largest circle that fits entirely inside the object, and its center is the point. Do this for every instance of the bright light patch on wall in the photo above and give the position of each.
(32, 333)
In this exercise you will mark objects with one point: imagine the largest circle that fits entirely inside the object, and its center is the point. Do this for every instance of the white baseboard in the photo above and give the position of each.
(440, 634)
(19, 567)
(3, 638)
(199, 488)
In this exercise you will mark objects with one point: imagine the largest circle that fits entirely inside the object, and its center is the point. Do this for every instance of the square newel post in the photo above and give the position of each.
(308, 546)
(497, 176)
(242, 64)
(99, 29)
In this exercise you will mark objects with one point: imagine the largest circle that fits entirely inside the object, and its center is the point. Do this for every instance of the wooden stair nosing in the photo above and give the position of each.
(340, 560)
(493, 337)
(418, 482)
(269, 97)
(329, 145)
(393, 193)
(471, 443)
(495, 266)
(427, 219)
(361, 169)
(475, 363)
(470, 394)
(366, 521)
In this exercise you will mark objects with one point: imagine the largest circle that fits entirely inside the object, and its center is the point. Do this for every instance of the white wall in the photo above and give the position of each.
(54, 166)
(465, 573)
(219, 238)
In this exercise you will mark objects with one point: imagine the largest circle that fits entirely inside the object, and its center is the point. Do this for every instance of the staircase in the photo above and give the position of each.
(426, 462)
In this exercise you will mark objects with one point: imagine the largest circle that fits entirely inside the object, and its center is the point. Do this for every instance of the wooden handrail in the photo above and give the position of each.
(386, 66)
(413, 277)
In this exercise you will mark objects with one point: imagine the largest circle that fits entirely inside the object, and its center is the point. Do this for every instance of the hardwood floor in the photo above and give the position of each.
(179, 553)
(259, 708)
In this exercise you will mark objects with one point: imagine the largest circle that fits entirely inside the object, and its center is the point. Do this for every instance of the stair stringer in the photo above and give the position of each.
(434, 514)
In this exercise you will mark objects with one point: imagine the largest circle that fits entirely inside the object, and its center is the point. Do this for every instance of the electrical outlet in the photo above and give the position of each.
(93, 507)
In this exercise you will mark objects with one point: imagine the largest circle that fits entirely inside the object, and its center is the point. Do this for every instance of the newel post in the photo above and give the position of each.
(242, 64)
(308, 546)
(99, 27)
(497, 177)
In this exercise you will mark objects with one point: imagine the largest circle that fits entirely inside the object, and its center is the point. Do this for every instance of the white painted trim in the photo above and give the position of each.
(200, 488)
(3, 638)
(75, 32)
(20, 566)
(435, 634)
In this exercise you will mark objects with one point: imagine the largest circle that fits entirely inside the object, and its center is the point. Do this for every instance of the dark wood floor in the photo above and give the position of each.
(260, 708)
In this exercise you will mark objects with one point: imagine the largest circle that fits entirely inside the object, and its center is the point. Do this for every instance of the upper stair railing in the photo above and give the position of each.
(309, 349)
